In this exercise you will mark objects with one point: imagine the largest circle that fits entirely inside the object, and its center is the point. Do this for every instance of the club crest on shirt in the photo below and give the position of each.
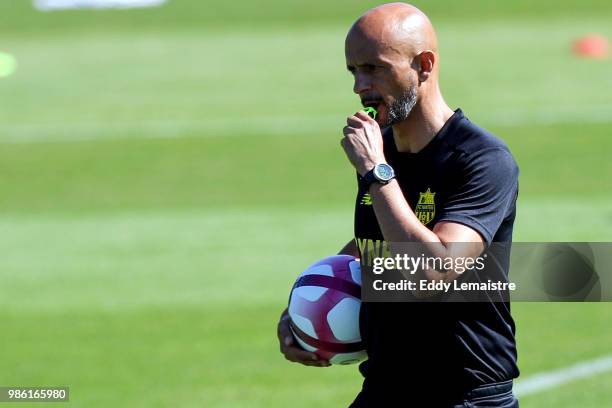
(426, 207)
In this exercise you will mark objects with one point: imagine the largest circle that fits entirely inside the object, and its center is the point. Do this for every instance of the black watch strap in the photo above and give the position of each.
(368, 179)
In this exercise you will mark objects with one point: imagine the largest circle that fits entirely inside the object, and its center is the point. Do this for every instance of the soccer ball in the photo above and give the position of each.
(324, 309)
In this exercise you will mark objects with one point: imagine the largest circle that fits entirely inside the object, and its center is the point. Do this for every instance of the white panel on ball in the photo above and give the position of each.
(348, 358)
(319, 270)
(343, 320)
(305, 346)
(304, 324)
(355, 268)
(310, 293)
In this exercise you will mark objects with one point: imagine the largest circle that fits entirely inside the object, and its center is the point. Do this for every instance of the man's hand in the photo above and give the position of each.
(362, 142)
(291, 349)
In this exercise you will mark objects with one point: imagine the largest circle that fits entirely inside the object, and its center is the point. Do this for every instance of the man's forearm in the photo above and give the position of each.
(400, 225)
(396, 219)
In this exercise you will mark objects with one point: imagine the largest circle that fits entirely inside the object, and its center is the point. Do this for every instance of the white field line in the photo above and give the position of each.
(262, 125)
(551, 379)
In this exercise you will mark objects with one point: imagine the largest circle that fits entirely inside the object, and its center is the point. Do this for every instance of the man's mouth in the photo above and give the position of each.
(371, 104)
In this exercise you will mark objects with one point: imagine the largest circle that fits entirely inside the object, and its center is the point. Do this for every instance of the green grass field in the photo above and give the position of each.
(167, 173)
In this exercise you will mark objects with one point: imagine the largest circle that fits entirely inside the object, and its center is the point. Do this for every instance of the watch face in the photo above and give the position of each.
(384, 172)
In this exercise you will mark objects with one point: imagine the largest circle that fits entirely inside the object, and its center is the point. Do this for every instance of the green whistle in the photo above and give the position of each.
(371, 112)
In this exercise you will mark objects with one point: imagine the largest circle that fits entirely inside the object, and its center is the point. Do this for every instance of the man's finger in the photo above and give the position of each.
(313, 363)
(290, 348)
(288, 345)
(285, 342)
(354, 121)
(349, 130)
(317, 364)
(364, 116)
(306, 358)
(299, 355)
(283, 329)
(292, 351)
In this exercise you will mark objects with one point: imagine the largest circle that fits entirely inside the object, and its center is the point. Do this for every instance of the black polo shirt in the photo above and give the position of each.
(435, 352)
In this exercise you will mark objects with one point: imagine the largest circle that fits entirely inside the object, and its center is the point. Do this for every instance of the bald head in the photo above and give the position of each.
(391, 51)
(396, 27)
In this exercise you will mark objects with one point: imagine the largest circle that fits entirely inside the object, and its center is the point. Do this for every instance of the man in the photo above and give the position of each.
(430, 176)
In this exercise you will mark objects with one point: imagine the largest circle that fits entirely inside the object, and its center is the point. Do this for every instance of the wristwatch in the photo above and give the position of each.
(381, 173)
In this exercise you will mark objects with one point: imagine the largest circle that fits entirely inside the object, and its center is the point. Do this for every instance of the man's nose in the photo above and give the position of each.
(362, 83)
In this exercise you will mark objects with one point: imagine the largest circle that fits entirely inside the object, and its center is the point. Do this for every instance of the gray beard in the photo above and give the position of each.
(401, 108)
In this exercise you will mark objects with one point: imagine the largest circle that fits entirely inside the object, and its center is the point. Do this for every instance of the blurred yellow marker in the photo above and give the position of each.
(8, 64)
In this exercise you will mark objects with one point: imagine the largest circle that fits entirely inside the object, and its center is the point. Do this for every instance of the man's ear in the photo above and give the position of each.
(426, 61)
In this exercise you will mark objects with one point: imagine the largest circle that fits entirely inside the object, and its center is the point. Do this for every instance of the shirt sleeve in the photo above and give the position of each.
(486, 193)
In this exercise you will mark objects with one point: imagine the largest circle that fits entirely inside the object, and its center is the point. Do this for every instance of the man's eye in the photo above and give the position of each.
(369, 69)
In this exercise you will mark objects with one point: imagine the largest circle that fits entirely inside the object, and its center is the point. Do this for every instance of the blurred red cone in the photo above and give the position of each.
(592, 46)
